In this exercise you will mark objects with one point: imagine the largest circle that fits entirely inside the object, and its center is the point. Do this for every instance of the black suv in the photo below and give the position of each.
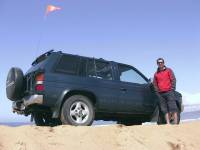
(62, 88)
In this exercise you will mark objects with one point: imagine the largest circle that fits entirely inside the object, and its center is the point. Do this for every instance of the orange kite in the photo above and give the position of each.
(51, 8)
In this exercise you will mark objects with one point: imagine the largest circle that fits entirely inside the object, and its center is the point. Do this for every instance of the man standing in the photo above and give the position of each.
(165, 85)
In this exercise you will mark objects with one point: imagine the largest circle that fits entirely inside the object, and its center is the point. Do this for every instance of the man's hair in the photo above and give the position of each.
(160, 59)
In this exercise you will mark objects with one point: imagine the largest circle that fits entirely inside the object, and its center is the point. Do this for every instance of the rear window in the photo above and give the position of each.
(68, 64)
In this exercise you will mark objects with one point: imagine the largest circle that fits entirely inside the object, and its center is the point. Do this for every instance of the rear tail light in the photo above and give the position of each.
(39, 82)
(39, 87)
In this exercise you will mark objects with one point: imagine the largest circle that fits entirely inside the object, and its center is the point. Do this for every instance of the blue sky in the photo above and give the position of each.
(135, 32)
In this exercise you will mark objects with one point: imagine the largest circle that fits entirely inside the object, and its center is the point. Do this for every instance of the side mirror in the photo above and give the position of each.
(150, 80)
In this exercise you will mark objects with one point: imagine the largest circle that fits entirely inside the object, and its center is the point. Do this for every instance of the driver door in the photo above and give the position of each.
(135, 95)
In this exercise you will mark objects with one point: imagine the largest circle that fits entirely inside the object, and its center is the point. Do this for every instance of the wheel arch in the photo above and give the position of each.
(66, 94)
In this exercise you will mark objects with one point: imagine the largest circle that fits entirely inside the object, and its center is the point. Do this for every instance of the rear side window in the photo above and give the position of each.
(99, 69)
(91, 68)
(68, 64)
(82, 67)
(103, 70)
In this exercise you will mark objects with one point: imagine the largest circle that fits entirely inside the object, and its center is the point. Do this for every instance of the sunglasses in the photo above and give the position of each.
(160, 62)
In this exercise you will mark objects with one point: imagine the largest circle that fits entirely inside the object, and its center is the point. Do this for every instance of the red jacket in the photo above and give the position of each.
(164, 80)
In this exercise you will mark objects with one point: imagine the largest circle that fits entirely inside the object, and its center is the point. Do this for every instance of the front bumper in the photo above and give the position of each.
(20, 106)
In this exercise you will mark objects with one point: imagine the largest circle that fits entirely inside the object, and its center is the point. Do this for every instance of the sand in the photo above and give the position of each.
(185, 136)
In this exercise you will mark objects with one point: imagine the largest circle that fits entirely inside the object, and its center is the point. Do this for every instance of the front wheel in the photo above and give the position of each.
(161, 119)
(77, 110)
(129, 122)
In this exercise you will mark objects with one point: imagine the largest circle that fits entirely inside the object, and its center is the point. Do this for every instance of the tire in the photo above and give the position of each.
(161, 119)
(129, 122)
(77, 110)
(14, 84)
(45, 120)
(179, 104)
(41, 119)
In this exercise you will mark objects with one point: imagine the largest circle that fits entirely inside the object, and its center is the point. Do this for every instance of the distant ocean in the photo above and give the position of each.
(15, 124)
(195, 115)
(185, 116)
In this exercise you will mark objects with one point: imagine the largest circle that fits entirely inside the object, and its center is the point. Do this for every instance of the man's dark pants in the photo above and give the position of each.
(168, 102)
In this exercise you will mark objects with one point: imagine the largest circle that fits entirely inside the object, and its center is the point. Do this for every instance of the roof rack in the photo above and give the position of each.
(43, 55)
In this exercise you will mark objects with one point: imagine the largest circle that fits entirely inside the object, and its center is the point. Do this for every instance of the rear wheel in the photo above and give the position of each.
(45, 120)
(77, 110)
(129, 122)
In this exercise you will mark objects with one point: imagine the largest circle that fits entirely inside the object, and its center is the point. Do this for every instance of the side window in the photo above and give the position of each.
(68, 64)
(127, 74)
(103, 70)
(99, 69)
(82, 67)
(91, 68)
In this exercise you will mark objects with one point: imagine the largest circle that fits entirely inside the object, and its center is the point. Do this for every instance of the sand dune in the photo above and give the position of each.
(114, 137)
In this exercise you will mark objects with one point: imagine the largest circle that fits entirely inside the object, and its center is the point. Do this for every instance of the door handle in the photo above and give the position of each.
(123, 89)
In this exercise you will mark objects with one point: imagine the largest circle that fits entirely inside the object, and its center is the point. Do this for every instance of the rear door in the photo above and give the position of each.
(135, 95)
(101, 80)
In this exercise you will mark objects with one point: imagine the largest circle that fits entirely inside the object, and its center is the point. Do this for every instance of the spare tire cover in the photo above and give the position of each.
(14, 84)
